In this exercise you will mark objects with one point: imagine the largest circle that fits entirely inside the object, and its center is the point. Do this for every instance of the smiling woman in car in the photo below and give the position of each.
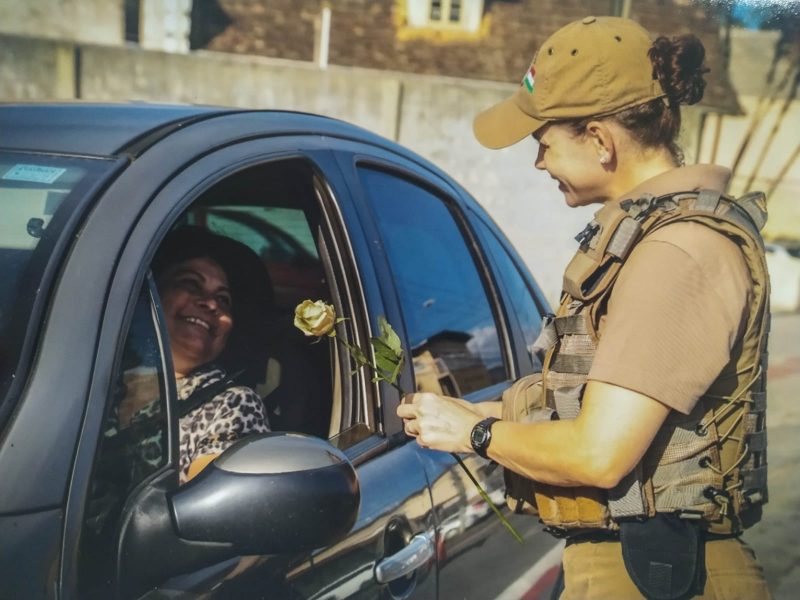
(212, 291)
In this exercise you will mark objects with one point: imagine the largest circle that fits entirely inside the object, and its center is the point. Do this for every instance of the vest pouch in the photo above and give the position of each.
(523, 402)
(572, 507)
(664, 556)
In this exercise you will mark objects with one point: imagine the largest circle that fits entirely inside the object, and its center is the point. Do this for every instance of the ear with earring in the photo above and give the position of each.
(604, 159)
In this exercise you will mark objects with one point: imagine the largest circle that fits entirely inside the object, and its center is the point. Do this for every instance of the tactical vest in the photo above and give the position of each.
(710, 465)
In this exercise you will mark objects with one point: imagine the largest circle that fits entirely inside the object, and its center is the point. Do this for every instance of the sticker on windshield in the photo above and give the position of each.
(34, 173)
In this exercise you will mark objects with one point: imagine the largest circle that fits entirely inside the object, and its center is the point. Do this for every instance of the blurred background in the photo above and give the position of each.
(417, 71)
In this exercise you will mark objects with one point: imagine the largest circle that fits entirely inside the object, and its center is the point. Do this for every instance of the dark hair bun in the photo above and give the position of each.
(678, 65)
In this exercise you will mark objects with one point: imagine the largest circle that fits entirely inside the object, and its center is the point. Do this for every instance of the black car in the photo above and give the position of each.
(336, 502)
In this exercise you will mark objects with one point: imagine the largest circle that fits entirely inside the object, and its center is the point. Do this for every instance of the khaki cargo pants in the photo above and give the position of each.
(595, 570)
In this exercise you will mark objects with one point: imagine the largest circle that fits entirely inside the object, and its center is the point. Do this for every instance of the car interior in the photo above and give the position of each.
(272, 209)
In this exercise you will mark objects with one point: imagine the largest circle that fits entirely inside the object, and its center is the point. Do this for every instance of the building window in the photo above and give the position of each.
(445, 11)
(450, 15)
(132, 16)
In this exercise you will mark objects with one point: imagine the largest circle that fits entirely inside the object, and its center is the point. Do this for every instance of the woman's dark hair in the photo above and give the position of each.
(678, 66)
(251, 290)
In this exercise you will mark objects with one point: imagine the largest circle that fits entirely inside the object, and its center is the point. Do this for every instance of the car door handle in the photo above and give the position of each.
(416, 554)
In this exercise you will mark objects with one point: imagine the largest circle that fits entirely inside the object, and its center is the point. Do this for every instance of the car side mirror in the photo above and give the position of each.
(269, 493)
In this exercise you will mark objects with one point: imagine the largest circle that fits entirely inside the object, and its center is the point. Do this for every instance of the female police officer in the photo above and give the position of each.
(647, 450)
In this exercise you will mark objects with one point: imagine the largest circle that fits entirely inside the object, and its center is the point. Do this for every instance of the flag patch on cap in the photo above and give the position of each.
(527, 81)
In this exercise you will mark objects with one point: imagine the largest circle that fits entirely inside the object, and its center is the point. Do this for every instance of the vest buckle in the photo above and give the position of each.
(585, 236)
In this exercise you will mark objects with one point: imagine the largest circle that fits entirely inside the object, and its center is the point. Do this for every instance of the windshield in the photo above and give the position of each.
(40, 198)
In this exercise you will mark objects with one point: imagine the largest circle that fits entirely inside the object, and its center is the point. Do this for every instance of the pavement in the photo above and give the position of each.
(776, 539)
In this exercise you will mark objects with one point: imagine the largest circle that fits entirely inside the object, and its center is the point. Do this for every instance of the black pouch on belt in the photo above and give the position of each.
(664, 556)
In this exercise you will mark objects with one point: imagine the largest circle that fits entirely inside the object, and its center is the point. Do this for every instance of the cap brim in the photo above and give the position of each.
(504, 124)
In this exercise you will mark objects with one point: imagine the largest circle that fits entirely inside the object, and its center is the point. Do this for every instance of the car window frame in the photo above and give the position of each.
(472, 246)
(352, 154)
(484, 226)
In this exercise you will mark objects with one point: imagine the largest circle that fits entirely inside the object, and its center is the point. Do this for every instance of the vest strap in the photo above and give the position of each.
(757, 442)
(750, 422)
(759, 402)
(571, 325)
(754, 204)
(738, 215)
(567, 400)
(707, 200)
(572, 363)
(754, 478)
(627, 499)
(624, 237)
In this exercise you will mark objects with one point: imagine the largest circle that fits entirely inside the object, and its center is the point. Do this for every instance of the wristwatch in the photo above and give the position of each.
(481, 436)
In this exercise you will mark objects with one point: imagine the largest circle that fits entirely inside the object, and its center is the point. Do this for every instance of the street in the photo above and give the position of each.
(775, 538)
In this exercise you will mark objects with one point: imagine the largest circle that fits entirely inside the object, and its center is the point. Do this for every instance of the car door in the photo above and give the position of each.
(395, 523)
(447, 292)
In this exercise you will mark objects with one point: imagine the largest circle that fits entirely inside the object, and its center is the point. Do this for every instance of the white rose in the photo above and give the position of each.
(314, 318)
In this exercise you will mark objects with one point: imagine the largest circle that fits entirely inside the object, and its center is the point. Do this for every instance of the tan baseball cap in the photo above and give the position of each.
(593, 67)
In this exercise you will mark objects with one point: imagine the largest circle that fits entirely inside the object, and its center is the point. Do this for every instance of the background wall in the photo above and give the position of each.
(430, 114)
(99, 21)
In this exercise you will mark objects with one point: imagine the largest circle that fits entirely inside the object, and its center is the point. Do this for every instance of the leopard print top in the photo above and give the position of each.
(215, 425)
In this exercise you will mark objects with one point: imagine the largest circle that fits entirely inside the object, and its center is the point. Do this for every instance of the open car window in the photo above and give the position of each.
(274, 210)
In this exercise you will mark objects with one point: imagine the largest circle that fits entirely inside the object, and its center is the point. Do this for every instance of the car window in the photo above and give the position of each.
(38, 194)
(520, 295)
(133, 443)
(273, 209)
(448, 317)
(282, 237)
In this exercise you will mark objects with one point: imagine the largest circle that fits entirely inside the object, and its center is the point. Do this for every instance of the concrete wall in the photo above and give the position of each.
(165, 25)
(431, 115)
(33, 69)
(97, 21)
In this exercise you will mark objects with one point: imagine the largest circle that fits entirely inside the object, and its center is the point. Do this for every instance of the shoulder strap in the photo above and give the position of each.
(203, 395)
(148, 426)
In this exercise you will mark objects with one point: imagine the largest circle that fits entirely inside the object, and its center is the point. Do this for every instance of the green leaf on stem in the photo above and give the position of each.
(386, 359)
(389, 336)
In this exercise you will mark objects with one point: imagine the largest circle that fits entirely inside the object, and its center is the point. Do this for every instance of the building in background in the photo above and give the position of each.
(476, 39)
(417, 71)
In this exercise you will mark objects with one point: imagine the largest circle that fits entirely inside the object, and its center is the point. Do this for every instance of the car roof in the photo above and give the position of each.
(99, 129)
(93, 129)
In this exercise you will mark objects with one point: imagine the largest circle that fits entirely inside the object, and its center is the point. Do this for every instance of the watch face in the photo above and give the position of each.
(479, 435)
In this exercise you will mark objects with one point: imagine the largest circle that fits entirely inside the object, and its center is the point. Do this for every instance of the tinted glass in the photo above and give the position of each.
(38, 194)
(520, 295)
(133, 444)
(448, 318)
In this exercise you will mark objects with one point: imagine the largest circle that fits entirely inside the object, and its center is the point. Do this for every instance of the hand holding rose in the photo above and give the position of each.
(439, 422)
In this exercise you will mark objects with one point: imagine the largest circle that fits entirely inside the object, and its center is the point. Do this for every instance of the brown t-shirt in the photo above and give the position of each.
(676, 311)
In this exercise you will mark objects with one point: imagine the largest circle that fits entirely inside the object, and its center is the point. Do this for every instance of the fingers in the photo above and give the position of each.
(437, 422)
(412, 408)
(414, 405)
